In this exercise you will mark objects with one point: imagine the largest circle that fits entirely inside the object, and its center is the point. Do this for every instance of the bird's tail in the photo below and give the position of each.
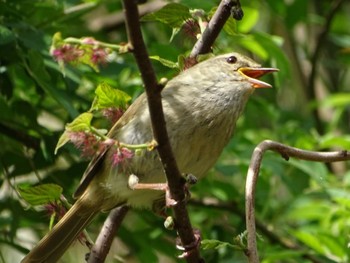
(52, 246)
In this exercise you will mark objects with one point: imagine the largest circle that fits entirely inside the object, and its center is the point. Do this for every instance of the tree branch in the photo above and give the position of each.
(19, 136)
(105, 238)
(215, 25)
(153, 92)
(252, 177)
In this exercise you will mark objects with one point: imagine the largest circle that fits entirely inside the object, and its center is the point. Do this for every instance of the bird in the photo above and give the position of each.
(201, 106)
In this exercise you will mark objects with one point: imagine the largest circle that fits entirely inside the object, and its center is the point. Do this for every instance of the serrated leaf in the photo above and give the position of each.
(41, 194)
(173, 15)
(107, 97)
(80, 123)
(165, 62)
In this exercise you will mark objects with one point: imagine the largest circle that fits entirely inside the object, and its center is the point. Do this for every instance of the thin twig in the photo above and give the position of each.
(215, 25)
(252, 177)
(104, 240)
(153, 92)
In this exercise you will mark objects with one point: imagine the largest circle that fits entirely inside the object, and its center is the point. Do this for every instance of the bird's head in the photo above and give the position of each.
(234, 67)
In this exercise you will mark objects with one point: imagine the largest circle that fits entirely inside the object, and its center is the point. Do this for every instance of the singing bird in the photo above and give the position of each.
(201, 107)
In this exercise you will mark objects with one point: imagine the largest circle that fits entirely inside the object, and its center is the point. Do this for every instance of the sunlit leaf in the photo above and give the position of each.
(336, 100)
(107, 97)
(251, 17)
(80, 123)
(216, 244)
(41, 194)
(173, 15)
(165, 62)
(332, 140)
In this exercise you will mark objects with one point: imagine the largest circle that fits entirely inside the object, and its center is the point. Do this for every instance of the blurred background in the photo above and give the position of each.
(303, 208)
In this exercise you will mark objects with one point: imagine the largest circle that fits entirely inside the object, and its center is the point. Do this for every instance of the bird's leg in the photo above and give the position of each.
(135, 185)
(169, 201)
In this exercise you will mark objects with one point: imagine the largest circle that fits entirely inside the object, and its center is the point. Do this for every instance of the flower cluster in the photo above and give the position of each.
(191, 28)
(86, 50)
(55, 208)
(87, 143)
(112, 114)
(90, 145)
(67, 53)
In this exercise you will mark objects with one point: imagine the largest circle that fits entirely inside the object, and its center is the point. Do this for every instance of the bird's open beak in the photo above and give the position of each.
(252, 75)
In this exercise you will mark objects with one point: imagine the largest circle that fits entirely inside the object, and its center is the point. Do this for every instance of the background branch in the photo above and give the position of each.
(311, 89)
(105, 238)
(253, 173)
(16, 134)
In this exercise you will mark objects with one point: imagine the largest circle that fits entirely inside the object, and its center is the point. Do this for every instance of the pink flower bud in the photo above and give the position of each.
(121, 155)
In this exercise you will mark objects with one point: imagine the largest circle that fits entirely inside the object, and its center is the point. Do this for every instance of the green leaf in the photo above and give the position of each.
(311, 240)
(37, 70)
(80, 123)
(336, 100)
(323, 244)
(251, 17)
(173, 15)
(316, 171)
(331, 140)
(62, 141)
(107, 97)
(230, 27)
(216, 244)
(41, 194)
(165, 62)
(272, 45)
(6, 35)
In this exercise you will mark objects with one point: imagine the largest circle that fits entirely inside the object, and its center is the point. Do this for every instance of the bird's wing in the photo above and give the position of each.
(97, 162)
(93, 168)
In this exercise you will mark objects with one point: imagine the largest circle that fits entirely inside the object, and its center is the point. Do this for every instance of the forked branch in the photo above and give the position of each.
(253, 173)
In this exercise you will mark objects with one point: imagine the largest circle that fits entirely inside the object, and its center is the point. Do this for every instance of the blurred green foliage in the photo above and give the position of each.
(303, 208)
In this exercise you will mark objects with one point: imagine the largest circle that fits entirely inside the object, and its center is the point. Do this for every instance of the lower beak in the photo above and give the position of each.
(252, 75)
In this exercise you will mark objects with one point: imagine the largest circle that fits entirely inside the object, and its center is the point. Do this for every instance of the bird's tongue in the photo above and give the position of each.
(252, 75)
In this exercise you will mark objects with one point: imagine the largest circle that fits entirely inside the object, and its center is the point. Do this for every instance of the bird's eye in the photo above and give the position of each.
(231, 60)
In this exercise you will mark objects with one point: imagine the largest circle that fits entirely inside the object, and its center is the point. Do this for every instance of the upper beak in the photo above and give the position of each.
(252, 75)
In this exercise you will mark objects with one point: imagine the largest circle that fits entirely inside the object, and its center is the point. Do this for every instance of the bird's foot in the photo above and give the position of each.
(135, 185)
(189, 179)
